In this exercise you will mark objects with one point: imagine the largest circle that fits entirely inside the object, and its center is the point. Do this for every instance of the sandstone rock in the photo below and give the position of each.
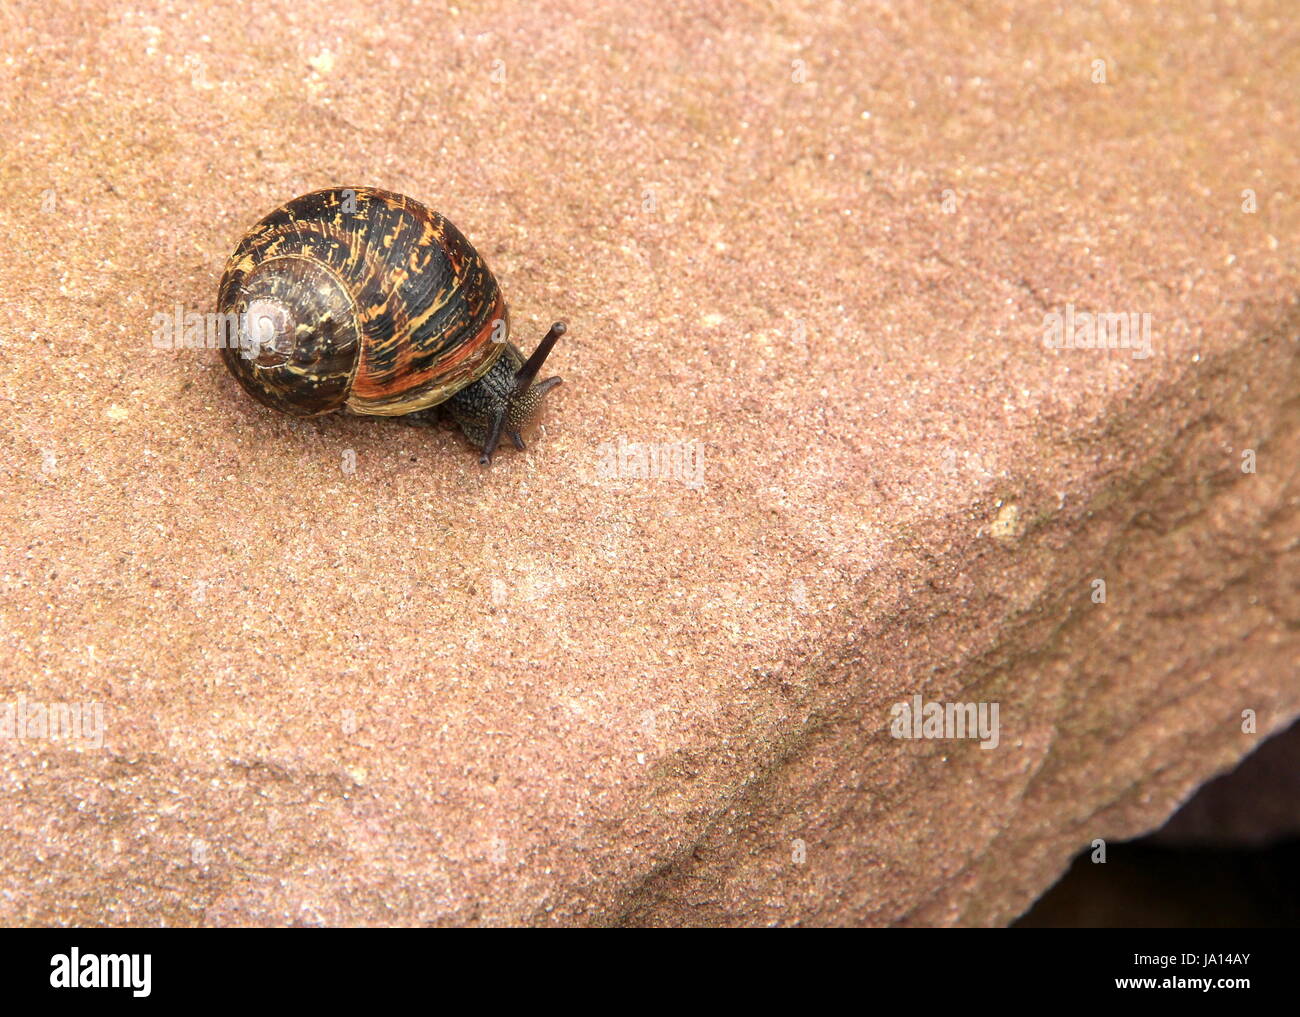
(818, 249)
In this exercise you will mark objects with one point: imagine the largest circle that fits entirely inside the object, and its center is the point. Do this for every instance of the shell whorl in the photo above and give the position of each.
(360, 298)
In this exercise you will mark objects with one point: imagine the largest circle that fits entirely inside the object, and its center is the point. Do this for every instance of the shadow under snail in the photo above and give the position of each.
(363, 301)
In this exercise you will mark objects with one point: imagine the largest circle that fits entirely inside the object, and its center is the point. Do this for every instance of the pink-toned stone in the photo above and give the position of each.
(819, 242)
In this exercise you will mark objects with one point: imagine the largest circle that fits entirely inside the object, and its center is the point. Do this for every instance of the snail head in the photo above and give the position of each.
(504, 400)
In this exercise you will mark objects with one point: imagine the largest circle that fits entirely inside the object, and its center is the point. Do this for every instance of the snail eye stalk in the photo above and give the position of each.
(528, 373)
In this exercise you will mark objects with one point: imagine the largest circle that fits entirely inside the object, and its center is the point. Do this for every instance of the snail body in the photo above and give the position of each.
(359, 300)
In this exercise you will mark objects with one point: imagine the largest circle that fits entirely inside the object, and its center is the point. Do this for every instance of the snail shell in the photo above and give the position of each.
(359, 299)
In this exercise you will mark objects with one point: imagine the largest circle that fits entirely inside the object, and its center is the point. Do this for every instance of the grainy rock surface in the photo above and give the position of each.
(816, 243)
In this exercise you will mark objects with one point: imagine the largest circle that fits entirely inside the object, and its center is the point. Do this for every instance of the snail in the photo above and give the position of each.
(363, 301)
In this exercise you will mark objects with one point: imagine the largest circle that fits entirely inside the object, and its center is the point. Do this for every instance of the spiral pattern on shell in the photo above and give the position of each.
(361, 299)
